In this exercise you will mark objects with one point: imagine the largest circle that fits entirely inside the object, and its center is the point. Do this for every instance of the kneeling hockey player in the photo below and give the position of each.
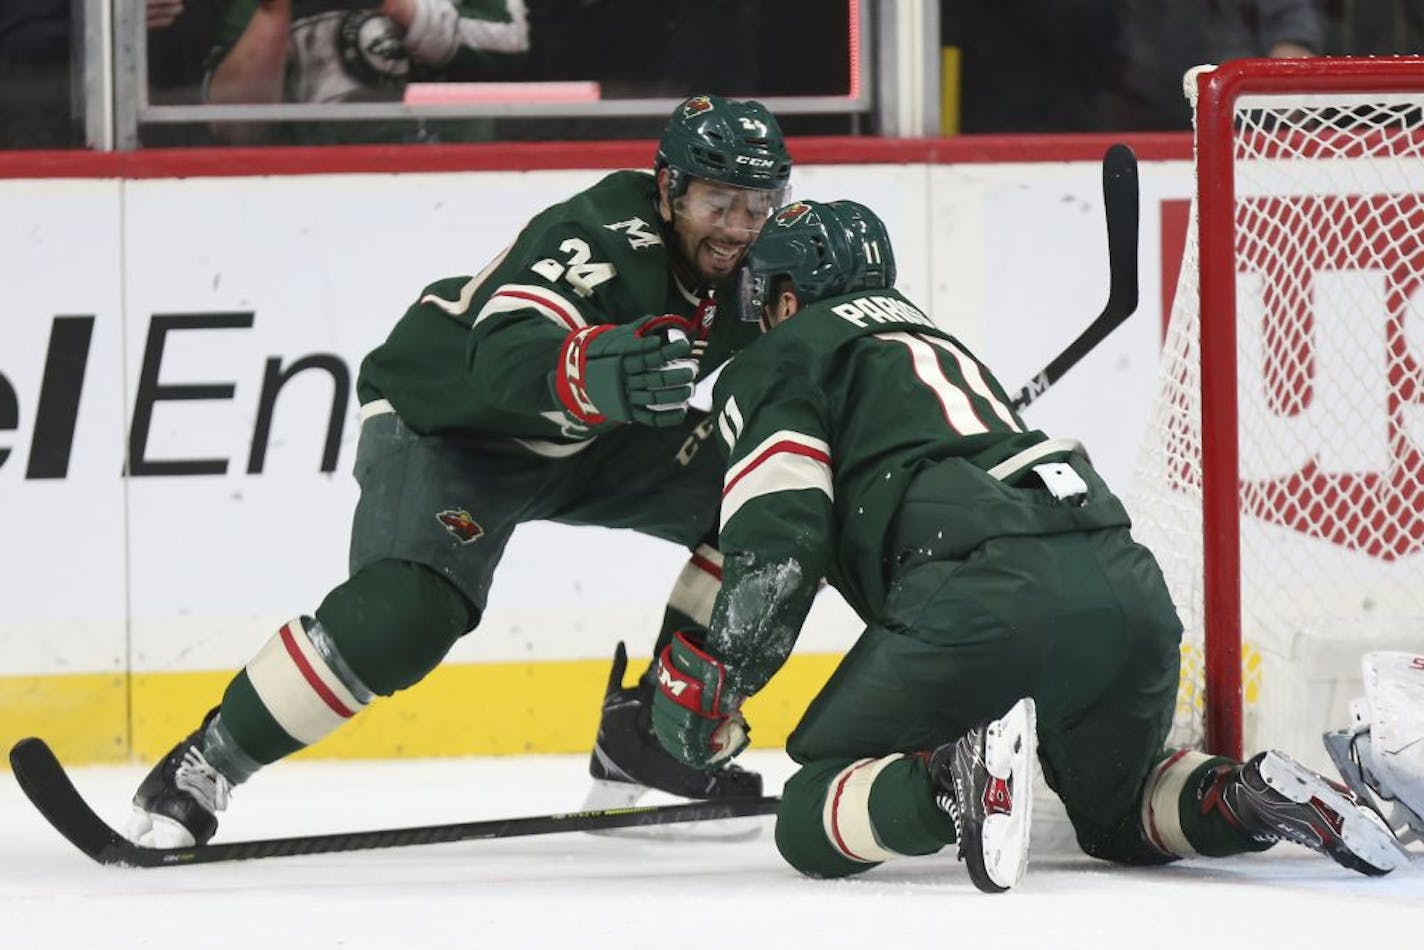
(998, 582)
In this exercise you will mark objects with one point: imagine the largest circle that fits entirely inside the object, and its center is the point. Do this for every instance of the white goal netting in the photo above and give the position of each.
(1325, 244)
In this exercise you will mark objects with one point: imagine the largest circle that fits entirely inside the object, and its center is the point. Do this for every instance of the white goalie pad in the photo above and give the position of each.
(1383, 748)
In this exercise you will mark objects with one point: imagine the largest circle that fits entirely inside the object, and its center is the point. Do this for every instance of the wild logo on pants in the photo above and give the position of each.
(458, 522)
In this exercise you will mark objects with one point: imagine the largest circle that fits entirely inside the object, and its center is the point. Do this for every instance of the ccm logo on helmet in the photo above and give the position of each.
(755, 162)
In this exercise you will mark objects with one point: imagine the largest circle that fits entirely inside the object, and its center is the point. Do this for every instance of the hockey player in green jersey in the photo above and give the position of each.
(998, 582)
(553, 385)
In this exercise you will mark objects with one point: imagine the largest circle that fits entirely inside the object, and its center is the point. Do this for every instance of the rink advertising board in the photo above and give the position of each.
(199, 317)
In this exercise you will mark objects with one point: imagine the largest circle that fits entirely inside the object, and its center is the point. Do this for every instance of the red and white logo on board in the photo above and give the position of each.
(1330, 367)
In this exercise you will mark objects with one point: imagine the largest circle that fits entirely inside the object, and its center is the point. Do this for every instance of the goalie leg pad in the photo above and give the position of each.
(1382, 752)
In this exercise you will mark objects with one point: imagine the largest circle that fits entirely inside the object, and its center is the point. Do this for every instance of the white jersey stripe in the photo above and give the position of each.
(461, 303)
(753, 457)
(467, 290)
(958, 410)
(529, 297)
(730, 423)
(788, 461)
(976, 381)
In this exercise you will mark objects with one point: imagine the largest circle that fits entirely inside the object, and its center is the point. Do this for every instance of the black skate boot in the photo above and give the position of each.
(1273, 797)
(176, 806)
(627, 759)
(985, 782)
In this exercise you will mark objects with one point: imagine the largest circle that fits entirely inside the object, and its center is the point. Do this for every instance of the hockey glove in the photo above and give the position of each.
(639, 372)
(694, 719)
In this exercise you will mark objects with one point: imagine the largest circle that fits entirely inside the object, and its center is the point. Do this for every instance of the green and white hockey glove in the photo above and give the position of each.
(638, 372)
(695, 720)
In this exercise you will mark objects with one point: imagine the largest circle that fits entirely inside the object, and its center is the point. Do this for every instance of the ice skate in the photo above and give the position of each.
(176, 805)
(1272, 796)
(986, 782)
(627, 760)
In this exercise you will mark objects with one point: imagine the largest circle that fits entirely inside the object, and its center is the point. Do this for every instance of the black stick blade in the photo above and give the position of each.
(1120, 203)
(45, 784)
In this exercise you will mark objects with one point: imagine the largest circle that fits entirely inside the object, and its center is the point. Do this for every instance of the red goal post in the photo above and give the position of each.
(1282, 479)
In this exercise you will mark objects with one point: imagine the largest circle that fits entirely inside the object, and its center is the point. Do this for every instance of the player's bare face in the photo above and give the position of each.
(715, 224)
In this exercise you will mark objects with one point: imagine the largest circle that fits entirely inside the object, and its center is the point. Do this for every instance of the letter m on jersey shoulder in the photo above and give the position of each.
(640, 234)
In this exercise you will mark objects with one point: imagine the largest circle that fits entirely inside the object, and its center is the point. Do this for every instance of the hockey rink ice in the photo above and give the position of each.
(576, 890)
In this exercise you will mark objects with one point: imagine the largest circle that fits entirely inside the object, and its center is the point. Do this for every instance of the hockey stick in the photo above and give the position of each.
(1120, 208)
(49, 788)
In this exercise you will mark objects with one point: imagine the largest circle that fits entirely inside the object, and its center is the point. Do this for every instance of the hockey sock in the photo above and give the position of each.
(1180, 812)
(296, 690)
(689, 606)
(839, 817)
(382, 630)
(394, 621)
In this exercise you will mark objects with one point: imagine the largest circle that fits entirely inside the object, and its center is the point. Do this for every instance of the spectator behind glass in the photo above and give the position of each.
(1162, 39)
(35, 104)
(650, 48)
(358, 51)
(1374, 27)
(1031, 65)
(181, 34)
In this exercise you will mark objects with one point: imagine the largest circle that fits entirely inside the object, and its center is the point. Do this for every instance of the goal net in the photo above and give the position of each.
(1282, 480)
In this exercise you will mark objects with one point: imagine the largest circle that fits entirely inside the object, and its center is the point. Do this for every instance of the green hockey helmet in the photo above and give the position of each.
(825, 248)
(727, 140)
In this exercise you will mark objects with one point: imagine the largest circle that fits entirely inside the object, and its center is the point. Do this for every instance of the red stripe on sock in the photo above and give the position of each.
(1153, 835)
(706, 565)
(313, 680)
(836, 811)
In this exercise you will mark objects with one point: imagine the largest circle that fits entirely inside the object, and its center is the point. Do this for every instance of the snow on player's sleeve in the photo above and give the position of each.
(776, 526)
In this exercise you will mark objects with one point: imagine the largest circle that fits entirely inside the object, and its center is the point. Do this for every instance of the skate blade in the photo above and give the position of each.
(1363, 831)
(1010, 750)
(605, 795)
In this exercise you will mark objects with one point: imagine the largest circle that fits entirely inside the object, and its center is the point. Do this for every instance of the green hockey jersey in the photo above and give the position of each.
(827, 419)
(474, 354)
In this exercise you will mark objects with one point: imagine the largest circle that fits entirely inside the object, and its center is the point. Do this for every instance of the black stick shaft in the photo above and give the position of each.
(1120, 205)
(49, 788)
